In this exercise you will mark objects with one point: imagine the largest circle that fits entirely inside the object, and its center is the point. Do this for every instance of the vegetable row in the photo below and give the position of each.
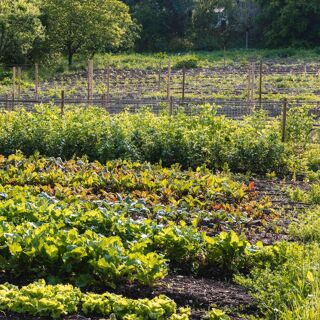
(40, 299)
(61, 253)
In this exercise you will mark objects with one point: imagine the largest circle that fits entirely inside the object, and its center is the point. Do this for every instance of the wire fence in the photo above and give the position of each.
(245, 84)
(235, 109)
(237, 81)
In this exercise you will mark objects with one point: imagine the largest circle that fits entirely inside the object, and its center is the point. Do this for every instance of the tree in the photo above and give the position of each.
(164, 22)
(246, 13)
(213, 23)
(290, 22)
(88, 26)
(180, 15)
(154, 21)
(20, 28)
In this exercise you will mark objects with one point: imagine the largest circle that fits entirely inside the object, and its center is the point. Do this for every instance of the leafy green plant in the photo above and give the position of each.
(150, 215)
(216, 314)
(62, 252)
(299, 125)
(288, 289)
(160, 307)
(40, 299)
(188, 63)
(227, 252)
(306, 226)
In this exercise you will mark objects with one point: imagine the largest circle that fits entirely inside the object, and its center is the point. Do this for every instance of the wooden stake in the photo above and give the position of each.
(249, 82)
(7, 102)
(14, 72)
(260, 84)
(253, 73)
(90, 80)
(169, 80)
(62, 102)
(284, 119)
(36, 73)
(104, 101)
(170, 105)
(159, 79)
(108, 83)
(19, 82)
(305, 69)
(183, 83)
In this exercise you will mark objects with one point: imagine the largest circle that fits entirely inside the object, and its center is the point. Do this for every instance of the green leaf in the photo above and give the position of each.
(15, 248)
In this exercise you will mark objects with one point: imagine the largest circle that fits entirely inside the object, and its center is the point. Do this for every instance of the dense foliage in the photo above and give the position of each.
(87, 26)
(69, 222)
(213, 24)
(255, 146)
(42, 29)
(290, 23)
(21, 30)
(81, 224)
(149, 216)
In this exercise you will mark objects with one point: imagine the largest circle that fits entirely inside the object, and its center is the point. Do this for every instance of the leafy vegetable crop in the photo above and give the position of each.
(47, 300)
(80, 224)
(88, 223)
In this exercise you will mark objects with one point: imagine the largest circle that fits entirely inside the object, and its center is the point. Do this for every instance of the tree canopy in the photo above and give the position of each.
(248, 23)
(87, 26)
(290, 22)
(35, 29)
(20, 28)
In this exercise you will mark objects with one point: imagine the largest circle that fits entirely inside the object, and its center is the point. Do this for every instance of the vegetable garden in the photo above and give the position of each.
(159, 216)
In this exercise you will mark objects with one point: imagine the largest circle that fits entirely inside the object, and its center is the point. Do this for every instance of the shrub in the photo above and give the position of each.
(205, 138)
(188, 63)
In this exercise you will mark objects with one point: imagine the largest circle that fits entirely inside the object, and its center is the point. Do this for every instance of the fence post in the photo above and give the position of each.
(260, 84)
(90, 80)
(159, 79)
(169, 80)
(7, 102)
(104, 101)
(284, 119)
(183, 83)
(253, 73)
(19, 82)
(249, 82)
(305, 69)
(62, 102)
(108, 83)
(36, 73)
(14, 72)
(171, 106)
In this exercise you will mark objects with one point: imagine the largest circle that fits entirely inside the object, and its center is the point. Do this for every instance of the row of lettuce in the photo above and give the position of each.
(41, 299)
(287, 290)
(252, 145)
